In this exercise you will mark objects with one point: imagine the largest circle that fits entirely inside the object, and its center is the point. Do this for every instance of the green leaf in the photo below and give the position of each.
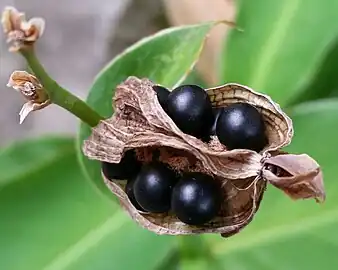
(52, 219)
(33, 158)
(290, 234)
(325, 83)
(195, 78)
(195, 254)
(165, 58)
(282, 46)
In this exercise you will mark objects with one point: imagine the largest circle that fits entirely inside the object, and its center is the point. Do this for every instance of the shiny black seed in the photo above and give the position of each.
(190, 108)
(130, 193)
(162, 95)
(241, 126)
(205, 138)
(196, 199)
(217, 113)
(128, 167)
(153, 187)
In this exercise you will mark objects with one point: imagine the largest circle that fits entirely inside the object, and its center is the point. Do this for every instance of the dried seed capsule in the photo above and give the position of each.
(128, 167)
(162, 95)
(190, 108)
(241, 126)
(196, 199)
(144, 126)
(153, 187)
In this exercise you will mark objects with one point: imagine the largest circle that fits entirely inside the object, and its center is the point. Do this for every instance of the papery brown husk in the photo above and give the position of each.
(299, 176)
(139, 122)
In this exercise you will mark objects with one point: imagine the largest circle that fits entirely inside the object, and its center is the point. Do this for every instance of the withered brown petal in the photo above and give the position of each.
(305, 179)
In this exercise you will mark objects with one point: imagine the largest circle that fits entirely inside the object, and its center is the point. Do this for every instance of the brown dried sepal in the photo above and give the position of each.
(30, 87)
(299, 176)
(140, 123)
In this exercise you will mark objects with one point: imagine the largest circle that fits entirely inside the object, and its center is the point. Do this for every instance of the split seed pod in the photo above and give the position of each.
(140, 123)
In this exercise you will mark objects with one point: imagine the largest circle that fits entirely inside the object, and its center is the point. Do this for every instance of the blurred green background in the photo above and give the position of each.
(57, 214)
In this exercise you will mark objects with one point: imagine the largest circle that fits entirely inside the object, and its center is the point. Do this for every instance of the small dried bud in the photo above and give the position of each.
(30, 87)
(19, 31)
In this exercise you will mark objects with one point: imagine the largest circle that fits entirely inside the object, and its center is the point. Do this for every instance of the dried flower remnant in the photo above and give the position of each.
(299, 176)
(19, 32)
(140, 123)
(29, 86)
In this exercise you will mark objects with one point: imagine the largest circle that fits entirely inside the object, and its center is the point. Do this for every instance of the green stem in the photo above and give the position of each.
(59, 95)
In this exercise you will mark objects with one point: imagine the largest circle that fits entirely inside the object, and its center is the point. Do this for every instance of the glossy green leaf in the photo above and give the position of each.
(165, 58)
(283, 45)
(290, 234)
(52, 219)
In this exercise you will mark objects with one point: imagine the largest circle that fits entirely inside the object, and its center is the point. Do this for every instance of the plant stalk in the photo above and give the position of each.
(57, 94)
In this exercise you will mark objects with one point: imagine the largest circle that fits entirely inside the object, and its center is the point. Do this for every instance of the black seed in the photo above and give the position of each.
(205, 138)
(162, 95)
(128, 167)
(196, 199)
(153, 187)
(190, 108)
(130, 193)
(241, 126)
(217, 112)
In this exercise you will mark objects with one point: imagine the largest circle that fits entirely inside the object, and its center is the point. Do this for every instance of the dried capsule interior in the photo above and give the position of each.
(237, 124)
(278, 125)
(224, 198)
